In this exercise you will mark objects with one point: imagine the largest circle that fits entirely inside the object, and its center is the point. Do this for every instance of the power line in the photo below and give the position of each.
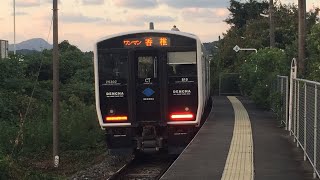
(38, 74)
(23, 117)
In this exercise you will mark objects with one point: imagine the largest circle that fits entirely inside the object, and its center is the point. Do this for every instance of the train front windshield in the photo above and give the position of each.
(182, 64)
(113, 66)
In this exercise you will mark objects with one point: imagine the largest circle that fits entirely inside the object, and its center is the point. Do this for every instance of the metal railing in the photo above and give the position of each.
(281, 106)
(305, 117)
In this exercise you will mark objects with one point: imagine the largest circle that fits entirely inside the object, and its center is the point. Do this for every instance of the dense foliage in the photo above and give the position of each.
(259, 72)
(248, 29)
(26, 110)
(313, 46)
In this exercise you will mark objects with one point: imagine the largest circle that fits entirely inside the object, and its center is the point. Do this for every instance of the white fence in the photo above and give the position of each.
(305, 116)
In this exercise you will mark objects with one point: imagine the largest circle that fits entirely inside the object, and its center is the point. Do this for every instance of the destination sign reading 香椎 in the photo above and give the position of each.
(147, 42)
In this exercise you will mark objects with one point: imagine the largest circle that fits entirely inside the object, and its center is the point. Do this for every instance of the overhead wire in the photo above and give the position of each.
(23, 117)
(38, 74)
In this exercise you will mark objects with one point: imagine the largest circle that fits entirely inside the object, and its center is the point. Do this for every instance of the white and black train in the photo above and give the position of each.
(151, 88)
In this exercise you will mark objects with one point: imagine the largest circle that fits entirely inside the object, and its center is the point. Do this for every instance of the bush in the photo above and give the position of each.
(79, 128)
(313, 46)
(26, 121)
(259, 71)
(4, 164)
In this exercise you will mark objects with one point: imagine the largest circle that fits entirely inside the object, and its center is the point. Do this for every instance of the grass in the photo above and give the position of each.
(41, 166)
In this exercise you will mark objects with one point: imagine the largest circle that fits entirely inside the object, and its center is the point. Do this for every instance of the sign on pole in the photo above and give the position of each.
(293, 75)
(237, 49)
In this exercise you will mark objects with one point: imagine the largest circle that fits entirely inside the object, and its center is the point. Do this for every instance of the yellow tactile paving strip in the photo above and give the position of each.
(239, 163)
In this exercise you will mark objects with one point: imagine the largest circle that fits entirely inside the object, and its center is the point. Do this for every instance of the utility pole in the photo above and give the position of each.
(271, 16)
(302, 36)
(55, 67)
(14, 27)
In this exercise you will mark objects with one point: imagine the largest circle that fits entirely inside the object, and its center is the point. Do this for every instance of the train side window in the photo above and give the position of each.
(182, 63)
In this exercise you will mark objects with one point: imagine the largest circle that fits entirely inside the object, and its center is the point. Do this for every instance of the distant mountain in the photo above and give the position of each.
(27, 52)
(36, 44)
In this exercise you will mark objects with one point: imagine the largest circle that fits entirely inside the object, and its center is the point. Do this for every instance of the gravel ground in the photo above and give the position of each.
(103, 170)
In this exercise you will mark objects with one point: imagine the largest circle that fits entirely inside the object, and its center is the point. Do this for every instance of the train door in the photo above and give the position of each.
(149, 86)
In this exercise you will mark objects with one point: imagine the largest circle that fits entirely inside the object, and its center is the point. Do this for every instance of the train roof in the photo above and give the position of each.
(151, 31)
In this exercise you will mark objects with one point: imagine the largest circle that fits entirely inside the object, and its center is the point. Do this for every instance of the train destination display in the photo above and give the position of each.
(147, 42)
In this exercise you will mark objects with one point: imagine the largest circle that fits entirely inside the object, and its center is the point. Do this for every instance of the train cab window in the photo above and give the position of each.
(147, 67)
(182, 63)
(113, 66)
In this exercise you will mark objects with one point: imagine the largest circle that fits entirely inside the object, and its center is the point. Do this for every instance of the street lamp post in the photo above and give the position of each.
(302, 36)
(271, 23)
(271, 14)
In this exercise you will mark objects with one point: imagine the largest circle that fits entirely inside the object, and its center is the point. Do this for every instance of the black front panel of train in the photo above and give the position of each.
(113, 80)
(183, 82)
(146, 67)
(147, 86)
(183, 95)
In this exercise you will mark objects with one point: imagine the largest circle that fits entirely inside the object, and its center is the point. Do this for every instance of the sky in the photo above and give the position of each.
(83, 22)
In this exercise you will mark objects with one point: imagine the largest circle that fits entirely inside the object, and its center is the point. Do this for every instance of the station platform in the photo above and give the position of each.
(240, 142)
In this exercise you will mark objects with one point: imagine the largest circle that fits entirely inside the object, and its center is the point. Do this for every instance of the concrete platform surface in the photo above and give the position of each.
(214, 152)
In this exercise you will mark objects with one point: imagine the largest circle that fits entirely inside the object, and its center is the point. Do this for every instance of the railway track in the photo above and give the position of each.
(144, 167)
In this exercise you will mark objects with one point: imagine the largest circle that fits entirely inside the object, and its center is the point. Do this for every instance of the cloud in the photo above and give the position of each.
(50, 1)
(79, 18)
(92, 2)
(32, 3)
(138, 20)
(196, 3)
(135, 4)
(21, 13)
(205, 14)
(147, 18)
(27, 3)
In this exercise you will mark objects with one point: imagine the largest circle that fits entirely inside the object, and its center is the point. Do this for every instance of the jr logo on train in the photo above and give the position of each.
(151, 89)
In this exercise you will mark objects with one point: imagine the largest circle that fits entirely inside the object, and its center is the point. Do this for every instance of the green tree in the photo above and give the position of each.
(313, 47)
(240, 13)
(259, 72)
(26, 110)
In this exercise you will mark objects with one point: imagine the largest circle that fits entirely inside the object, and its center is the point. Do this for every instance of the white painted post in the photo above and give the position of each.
(293, 75)
(315, 131)
(295, 111)
(305, 122)
(298, 114)
(282, 104)
(287, 105)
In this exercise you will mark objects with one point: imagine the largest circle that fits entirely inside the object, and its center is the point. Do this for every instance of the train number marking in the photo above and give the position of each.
(111, 82)
(148, 99)
(184, 80)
